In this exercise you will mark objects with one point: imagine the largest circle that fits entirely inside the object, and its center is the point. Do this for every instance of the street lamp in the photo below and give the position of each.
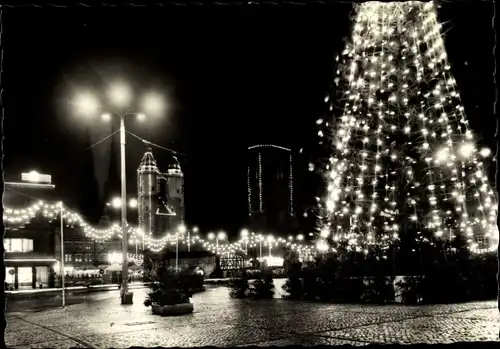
(116, 203)
(244, 235)
(181, 229)
(120, 96)
(270, 240)
(260, 245)
(220, 236)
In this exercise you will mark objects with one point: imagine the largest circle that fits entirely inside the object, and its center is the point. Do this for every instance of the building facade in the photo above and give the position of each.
(29, 240)
(270, 188)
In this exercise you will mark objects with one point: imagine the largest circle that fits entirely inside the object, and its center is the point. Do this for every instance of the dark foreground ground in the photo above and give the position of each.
(99, 321)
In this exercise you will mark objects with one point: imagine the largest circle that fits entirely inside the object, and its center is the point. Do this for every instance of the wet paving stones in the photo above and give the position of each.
(219, 320)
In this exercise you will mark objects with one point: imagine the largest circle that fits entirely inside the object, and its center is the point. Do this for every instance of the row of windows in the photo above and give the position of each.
(84, 258)
(18, 245)
(78, 258)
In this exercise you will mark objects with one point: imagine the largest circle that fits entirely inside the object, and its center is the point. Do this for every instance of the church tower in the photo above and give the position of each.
(148, 190)
(175, 193)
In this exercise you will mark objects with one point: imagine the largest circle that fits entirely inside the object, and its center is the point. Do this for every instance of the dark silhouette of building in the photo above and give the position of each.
(270, 189)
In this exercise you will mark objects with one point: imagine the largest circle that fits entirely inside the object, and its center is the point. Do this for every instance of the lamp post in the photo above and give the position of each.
(62, 258)
(270, 240)
(180, 230)
(220, 236)
(260, 245)
(120, 96)
(244, 235)
(116, 203)
(195, 230)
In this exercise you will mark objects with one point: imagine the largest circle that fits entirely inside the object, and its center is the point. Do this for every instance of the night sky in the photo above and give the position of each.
(234, 76)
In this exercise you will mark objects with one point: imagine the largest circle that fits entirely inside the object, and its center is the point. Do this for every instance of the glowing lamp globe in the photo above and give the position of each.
(133, 203)
(153, 104)
(120, 95)
(116, 202)
(86, 104)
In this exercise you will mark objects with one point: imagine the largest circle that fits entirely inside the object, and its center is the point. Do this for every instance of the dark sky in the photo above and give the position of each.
(234, 76)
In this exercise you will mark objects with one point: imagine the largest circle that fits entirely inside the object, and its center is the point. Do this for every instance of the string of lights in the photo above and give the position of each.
(51, 211)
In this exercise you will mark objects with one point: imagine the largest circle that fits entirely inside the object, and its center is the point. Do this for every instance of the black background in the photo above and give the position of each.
(234, 75)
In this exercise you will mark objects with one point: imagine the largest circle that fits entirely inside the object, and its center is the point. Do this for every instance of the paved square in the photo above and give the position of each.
(219, 320)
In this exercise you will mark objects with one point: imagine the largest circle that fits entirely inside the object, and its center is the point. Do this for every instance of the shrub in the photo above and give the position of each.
(379, 290)
(217, 273)
(239, 288)
(263, 287)
(293, 286)
(168, 288)
(410, 289)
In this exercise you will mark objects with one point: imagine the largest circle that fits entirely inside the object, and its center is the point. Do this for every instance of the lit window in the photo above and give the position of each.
(18, 245)
(67, 257)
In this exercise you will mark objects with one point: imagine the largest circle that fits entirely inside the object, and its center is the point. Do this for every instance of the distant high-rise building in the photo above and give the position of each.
(160, 196)
(270, 188)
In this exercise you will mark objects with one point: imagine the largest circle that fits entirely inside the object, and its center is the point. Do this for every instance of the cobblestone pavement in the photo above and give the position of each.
(219, 320)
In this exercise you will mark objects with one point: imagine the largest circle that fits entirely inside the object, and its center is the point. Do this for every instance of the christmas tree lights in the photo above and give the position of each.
(404, 158)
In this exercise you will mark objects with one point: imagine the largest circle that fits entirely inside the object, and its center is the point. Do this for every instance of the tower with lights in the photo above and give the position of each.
(270, 188)
(174, 194)
(404, 164)
(148, 190)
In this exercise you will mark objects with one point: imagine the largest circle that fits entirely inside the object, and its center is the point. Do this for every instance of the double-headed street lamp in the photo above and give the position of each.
(181, 230)
(244, 235)
(116, 203)
(120, 96)
(220, 236)
(270, 241)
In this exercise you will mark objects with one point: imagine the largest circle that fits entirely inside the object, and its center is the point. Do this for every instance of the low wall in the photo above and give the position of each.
(50, 292)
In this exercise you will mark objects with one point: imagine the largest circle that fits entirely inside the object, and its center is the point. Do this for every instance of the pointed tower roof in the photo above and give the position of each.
(148, 162)
(174, 167)
(174, 163)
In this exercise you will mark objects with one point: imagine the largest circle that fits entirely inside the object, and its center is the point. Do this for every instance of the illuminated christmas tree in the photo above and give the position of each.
(405, 164)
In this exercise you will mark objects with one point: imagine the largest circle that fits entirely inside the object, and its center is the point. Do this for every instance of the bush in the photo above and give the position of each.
(169, 288)
(379, 290)
(217, 273)
(263, 287)
(239, 288)
(411, 289)
(293, 286)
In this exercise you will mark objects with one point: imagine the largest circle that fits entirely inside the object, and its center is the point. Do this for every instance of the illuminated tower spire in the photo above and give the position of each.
(147, 192)
(175, 193)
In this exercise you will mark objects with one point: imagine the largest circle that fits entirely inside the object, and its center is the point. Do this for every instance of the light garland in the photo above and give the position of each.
(20, 217)
(290, 185)
(261, 208)
(402, 149)
(249, 189)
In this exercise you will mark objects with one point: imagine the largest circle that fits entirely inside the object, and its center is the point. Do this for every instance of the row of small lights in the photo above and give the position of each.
(247, 240)
(52, 211)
